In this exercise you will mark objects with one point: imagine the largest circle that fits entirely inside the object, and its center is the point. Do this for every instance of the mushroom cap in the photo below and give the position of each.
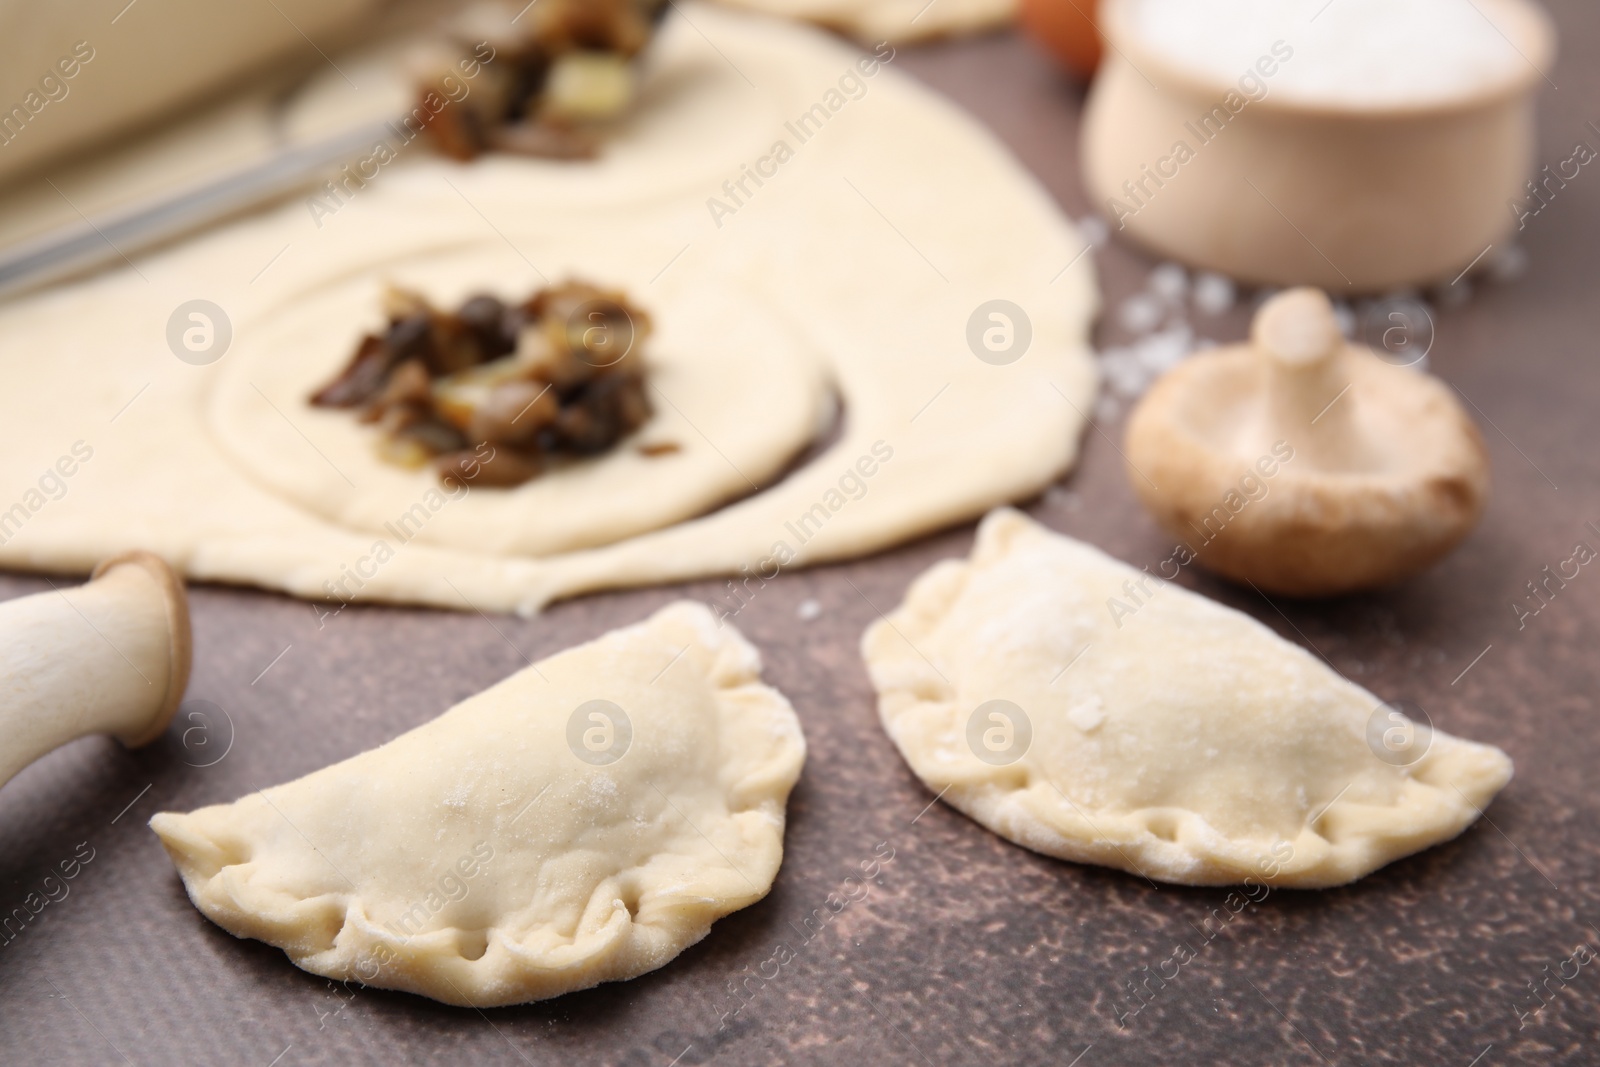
(1303, 464)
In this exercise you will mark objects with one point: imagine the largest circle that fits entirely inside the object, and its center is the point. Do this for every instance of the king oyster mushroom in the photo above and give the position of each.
(1304, 464)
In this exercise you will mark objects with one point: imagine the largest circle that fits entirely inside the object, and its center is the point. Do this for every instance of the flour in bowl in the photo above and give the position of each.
(1357, 53)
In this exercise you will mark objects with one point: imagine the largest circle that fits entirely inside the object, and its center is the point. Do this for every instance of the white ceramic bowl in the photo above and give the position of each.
(1346, 196)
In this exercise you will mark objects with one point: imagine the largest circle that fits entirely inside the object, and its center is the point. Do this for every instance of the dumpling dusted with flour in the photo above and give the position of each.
(1089, 711)
(583, 821)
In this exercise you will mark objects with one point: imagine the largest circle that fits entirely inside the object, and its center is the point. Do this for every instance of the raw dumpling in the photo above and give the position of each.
(1092, 712)
(532, 840)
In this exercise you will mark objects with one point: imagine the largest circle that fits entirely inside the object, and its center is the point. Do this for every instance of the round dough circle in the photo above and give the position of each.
(872, 21)
(883, 221)
(712, 359)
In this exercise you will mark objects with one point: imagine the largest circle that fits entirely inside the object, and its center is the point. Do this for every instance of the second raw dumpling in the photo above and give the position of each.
(1093, 712)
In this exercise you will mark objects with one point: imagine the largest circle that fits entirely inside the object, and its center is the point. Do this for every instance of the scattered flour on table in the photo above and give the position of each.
(1162, 335)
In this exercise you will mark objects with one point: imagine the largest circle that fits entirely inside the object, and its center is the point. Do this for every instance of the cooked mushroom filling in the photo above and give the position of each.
(560, 67)
(536, 382)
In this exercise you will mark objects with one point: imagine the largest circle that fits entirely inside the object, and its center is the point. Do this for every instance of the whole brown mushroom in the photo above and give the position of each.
(1306, 465)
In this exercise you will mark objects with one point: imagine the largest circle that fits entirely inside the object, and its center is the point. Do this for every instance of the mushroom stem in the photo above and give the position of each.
(111, 657)
(1299, 341)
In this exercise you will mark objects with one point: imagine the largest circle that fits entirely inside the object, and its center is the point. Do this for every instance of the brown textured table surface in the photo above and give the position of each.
(967, 950)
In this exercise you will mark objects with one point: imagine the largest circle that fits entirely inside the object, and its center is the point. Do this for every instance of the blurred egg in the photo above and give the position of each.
(1067, 29)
